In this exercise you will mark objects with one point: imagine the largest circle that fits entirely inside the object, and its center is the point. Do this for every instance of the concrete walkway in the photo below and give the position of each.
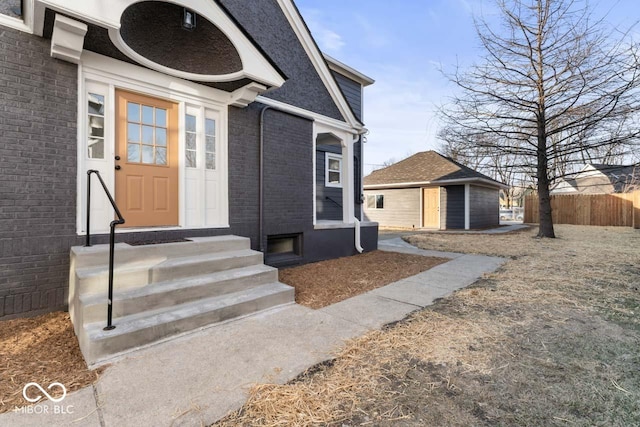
(504, 228)
(198, 378)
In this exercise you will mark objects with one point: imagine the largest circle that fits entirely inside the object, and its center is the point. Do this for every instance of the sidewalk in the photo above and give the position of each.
(198, 378)
(504, 228)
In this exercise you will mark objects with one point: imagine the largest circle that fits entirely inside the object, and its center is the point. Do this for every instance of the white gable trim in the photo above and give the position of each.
(254, 65)
(347, 71)
(317, 59)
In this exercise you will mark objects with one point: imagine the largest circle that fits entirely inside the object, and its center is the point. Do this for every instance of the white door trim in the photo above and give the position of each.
(106, 74)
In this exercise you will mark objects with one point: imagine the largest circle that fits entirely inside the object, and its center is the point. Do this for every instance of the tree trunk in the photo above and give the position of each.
(544, 199)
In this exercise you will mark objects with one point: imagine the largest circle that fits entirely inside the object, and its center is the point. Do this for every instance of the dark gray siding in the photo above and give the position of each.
(37, 173)
(452, 207)
(485, 207)
(268, 26)
(288, 186)
(328, 199)
(352, 92)
(334, 243)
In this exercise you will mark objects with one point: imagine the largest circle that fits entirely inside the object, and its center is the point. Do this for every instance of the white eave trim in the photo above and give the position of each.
(481, 181)
(300, 28)
(112, 70)
(254, 64)
(347, 71)
(329, 121)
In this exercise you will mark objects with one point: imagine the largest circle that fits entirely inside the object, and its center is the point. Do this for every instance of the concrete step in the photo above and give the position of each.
(175, 292)
(142, 272)
(98, 255)
(136, 330)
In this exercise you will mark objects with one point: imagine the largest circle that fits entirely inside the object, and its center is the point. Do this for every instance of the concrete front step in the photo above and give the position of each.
(136, 330)
(142, 272)
(98, 255)
(166, 289)
(175, 292)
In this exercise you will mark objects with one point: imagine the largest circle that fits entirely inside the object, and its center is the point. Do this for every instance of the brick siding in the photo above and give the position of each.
(37, 174)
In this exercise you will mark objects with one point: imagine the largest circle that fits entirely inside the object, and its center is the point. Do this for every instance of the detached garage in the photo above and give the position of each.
(429, 190)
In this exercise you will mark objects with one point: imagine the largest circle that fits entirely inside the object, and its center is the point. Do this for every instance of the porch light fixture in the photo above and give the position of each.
(188, 20)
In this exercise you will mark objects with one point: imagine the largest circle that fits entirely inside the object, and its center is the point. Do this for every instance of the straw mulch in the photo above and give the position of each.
(549, 339)
(327, 282)
(41, 349)
(366, 371)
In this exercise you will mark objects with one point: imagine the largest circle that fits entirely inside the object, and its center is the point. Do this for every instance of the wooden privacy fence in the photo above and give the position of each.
(589, 209)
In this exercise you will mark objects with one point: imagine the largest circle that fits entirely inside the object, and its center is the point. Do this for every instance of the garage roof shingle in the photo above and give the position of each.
(423, 167)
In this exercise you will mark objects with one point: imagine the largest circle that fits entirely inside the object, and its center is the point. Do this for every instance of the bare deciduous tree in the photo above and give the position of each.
(553, 86)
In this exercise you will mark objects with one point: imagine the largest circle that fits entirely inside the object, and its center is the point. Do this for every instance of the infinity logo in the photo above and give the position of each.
(35, 399)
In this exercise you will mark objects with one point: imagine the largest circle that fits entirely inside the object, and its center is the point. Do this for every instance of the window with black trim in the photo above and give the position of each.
(375, 201)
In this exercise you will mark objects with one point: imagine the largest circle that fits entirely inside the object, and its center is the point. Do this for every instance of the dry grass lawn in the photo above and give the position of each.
(551, 339)
(327, 282)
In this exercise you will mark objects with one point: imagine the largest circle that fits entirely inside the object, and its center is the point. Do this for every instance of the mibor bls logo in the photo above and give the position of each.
(44, 409)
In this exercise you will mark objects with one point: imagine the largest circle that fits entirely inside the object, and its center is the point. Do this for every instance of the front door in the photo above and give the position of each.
(146, 159)
(431, 207)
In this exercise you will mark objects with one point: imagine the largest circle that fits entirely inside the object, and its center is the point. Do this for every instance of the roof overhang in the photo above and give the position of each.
(347, 71)
(477, 181)
(107, 14)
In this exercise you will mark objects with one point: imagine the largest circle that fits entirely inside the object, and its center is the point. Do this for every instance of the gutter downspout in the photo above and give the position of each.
(261, 181)
(357, 238)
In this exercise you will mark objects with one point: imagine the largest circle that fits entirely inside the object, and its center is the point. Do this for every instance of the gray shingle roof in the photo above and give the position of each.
(427, 166)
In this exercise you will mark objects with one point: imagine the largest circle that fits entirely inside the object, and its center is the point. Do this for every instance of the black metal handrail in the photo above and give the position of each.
(112, 231)
(334, 201)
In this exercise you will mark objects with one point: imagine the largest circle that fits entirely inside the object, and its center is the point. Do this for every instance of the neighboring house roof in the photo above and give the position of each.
(426, 168)
(600, 179)
(565, 185)
(621, 177)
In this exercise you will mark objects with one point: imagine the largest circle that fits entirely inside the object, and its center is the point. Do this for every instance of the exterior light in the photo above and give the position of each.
(188, 20)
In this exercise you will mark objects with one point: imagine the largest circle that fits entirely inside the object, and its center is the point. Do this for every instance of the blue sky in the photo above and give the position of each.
(401, 45)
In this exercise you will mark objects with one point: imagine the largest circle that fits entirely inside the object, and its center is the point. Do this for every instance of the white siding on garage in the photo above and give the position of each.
(401, 208)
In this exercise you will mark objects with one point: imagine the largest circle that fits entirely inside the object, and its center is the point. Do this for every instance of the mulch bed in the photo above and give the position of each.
(41, 349)
(327, 282)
